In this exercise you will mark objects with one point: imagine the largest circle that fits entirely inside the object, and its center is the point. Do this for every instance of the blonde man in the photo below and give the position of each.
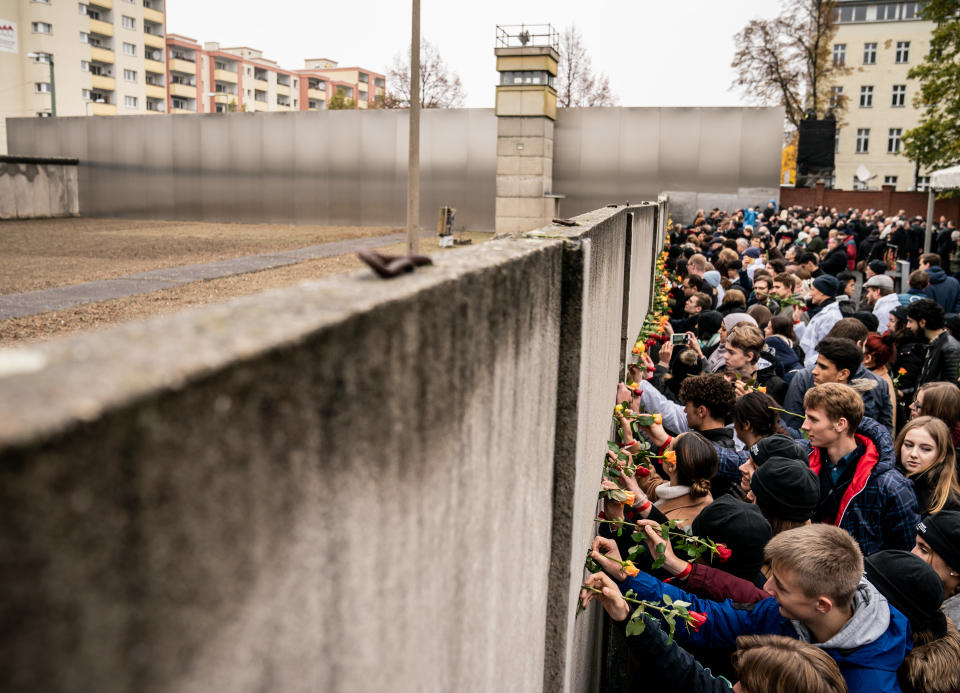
(860, 487)
(817, 595)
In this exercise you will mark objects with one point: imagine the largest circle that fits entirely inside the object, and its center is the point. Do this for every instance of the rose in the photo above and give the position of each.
(649, 419)
(696, 620)
(723, 553)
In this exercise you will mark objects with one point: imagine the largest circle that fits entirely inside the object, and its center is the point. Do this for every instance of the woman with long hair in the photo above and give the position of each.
(940, 400)
(878, 353)
(910, 349)
(926, 454)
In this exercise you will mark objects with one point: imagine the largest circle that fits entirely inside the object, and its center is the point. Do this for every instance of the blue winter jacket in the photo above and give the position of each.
(786, 356)
(869, 668)
(944, 289)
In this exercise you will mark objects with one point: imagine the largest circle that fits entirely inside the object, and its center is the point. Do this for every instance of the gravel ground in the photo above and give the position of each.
(42, 253)
(45, 253)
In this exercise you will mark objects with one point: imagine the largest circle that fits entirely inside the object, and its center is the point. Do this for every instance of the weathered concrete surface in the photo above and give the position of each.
(345, 486)
(640, 263)
(351, 485)
(31, 188)
(590, 351)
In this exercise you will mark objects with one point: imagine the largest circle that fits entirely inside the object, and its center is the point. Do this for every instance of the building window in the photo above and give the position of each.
(893, 140)
(839, 53)
(129, 49)
(890, 180)
(130, 75)
(910, 10)
(129, 22)
(42, 87)
(850, 14)
(42, 28)
(863, 140)
(899, 95)
(44, 114)
(84, 37)
(866, 97)
(903, 52)
(364, 78)
(180, 104)
(84, 66)
(130, 101)
(887, 12)
(43, 58)
(869, 54)
(378, 82)
(923, 183)
(83, 8)
(859, 184)
(835, 94)
(45, 2)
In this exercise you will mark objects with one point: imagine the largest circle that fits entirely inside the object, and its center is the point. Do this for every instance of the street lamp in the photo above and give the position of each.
(53, 84)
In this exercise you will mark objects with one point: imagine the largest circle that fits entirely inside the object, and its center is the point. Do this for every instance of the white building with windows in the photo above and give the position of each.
(879, 42)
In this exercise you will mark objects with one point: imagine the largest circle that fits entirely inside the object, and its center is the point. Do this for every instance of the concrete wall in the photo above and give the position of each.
(348, 485)
(32, 188)
(349, 167)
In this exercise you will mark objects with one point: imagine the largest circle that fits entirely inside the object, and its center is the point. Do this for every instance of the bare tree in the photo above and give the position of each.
(440, 87)
(788, 60)
(577, 85)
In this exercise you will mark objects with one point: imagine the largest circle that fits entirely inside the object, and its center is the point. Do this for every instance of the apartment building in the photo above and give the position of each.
(105, 56)
(209, 78)
(879, 42)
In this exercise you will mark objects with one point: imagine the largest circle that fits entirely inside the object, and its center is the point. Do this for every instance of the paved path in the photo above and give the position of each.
(58, 298)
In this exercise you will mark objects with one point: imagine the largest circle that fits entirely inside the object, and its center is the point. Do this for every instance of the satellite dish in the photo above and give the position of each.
(863, 174)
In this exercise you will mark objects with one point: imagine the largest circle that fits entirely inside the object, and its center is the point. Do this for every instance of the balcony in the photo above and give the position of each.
(225, 76)
(154, 66)
(178, 111)
(152, 15)
(185, 66)
(98, 26)
(282, 107)
(261, 106)
(105, 4)
(283, 89)
(153, 40)
(155, 92)
(260, 84)
(104, 109)
(224, 98)
(101, 55)
(103, 83)
(187, 91)
(316, 94)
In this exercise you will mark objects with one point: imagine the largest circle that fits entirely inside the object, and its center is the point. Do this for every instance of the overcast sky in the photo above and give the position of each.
(655, 53)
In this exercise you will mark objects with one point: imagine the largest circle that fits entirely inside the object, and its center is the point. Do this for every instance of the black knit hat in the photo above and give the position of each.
(870, 321)
(742, 527)
(775, 446)
(878, 266)
(942, 532)
(827, 284)
(786, 489)
(910, 585)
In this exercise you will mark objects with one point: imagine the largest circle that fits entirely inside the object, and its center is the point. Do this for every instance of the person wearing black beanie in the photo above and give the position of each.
(914, 588)
(787, 492)
(938, 543)
(741, 527)
(777, 445)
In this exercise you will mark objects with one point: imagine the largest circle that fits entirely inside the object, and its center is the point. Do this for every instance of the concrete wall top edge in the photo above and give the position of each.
(78, 378)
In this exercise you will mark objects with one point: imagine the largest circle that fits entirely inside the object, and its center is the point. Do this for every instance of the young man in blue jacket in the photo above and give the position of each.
(818, 595)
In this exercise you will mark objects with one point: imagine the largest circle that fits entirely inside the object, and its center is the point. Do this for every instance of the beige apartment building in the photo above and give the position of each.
(879, 42)
(106, 55)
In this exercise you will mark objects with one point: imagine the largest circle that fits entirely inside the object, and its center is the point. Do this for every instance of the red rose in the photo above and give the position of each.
(643, 472)
(723, 553)
(696, 619)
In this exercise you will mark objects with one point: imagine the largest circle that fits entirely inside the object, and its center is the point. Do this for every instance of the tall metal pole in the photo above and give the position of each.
(413, 159)
(53, 91)
(928, 241)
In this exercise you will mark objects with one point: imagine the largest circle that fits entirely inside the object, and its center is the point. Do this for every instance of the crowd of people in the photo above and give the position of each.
(793, 427)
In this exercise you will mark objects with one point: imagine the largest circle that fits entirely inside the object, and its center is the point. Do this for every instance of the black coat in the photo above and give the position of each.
(835, 262)
(942, 360)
